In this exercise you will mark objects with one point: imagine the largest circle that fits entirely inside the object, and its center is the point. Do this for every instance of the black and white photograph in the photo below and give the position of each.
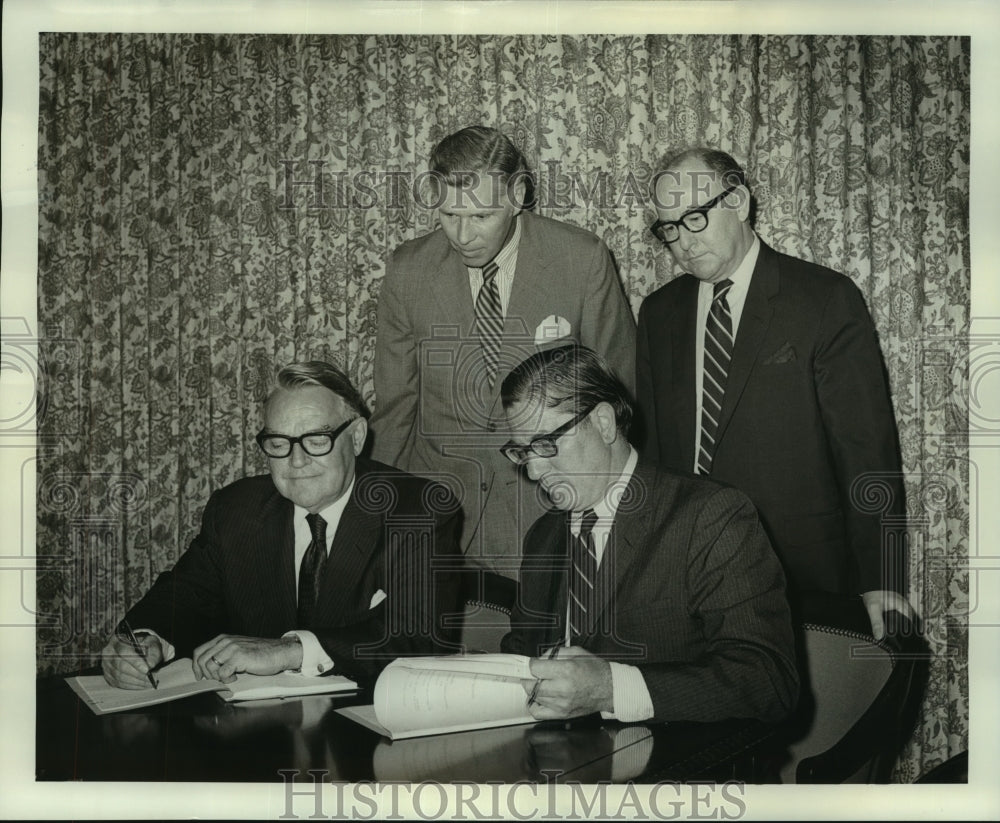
(499, 409)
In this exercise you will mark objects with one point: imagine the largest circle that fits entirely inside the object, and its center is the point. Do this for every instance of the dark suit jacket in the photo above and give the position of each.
(436, 414)
(690, 592)
(806, 428)
(238, 574)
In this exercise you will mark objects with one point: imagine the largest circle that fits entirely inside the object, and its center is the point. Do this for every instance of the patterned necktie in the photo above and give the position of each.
(582, 576)
(489, 320)
(311, 572)
(718, 353)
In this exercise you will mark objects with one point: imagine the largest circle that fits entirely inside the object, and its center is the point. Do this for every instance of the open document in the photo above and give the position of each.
(176, 680)
(435, 695)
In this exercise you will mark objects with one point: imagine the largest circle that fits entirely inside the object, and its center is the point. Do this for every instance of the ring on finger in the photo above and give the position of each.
(216, 660)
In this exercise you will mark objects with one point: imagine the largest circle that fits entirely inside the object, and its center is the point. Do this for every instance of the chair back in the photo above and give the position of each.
(860, 697)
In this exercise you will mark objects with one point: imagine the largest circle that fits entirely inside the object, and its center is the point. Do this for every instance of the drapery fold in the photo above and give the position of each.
(214, 206)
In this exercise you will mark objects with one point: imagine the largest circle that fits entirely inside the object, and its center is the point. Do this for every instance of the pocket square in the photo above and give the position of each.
(377, 598)
(786, 354)
(552, 328)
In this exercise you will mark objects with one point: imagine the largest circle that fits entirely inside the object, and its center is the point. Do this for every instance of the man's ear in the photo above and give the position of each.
(517, 190)
(743, 210)
(603, 416)
(359, 434)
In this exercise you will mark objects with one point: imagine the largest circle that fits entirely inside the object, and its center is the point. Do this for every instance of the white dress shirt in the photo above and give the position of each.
(735, 297)
(506, 261)
(630, 695)
(315, 661)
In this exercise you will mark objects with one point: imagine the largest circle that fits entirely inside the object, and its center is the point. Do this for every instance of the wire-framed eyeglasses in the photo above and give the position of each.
(694, 220)
(315, 444)
(542, 446)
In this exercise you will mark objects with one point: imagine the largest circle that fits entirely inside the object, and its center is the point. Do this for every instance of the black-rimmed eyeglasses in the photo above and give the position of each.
(315, 444)
(542, 446)
(694, 220)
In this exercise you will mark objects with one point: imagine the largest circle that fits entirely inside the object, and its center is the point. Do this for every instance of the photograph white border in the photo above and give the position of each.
(20, 796)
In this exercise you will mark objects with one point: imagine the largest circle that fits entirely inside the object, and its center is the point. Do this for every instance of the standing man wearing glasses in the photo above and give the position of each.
(764, 371)
(644, 594)
(324, 565)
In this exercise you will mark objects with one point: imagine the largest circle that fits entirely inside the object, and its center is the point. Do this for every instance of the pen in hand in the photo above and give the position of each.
(533, 697)
(129, 635)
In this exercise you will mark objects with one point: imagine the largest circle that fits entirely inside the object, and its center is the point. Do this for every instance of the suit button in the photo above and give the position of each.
(482, 487)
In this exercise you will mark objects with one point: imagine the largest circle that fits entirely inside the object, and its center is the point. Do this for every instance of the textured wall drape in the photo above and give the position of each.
(185, 251)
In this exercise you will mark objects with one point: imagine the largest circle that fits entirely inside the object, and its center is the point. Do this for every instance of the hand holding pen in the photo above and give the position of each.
(579, 682)
(533, 697)
(126, 633)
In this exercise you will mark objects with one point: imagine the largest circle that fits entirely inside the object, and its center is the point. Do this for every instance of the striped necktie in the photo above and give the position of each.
(311, 572)
(582, 576)
(489, 320)
(718, 353)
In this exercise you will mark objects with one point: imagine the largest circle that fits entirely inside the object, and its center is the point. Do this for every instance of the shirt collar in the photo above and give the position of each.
(332, 513)
(607, 507)
(509, 251)
(744, 271)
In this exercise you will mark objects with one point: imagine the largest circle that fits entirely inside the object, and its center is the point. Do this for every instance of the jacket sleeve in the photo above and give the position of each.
(853, 396)
(607, 323)
(396, 371)
(186, 604)
(736, 590)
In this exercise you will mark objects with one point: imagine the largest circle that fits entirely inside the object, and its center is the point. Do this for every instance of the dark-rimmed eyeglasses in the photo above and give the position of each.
(542, 446)
(315, 444)
(694, 220)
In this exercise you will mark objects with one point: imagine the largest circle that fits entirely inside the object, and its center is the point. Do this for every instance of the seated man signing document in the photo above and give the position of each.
(644, 594)
(324, 564)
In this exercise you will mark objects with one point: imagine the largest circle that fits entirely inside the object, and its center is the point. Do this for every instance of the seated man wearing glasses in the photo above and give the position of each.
(330, 562)
(764, 371)
(645, 595)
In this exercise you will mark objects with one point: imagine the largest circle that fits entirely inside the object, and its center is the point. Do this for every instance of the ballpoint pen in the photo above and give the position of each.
(534, 689)
(137, 647)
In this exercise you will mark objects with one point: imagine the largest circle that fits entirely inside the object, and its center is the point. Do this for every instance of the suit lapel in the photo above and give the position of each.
(754, 321)
(450, 286)
(625, 542)
(272, 552)
(544, 578)
(528, 291)
(683, 342)
(357, 537)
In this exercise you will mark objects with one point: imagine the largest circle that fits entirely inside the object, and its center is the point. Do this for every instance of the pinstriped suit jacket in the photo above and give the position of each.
(238, 574)
(689, 591)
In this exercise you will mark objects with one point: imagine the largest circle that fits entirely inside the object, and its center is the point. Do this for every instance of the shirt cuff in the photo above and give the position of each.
(315, 660)
(629, 695)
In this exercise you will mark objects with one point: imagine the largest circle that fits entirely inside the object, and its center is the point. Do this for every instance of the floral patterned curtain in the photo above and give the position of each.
(214, 206)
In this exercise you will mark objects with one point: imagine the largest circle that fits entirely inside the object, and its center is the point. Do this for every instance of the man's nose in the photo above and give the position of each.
(298, 457)
(464, 230)
(534, 467)
(684, 238)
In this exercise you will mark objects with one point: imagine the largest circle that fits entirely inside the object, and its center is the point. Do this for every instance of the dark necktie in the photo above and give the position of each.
(311, 572)
(582, 576)
(718, 353)
(489, 320)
